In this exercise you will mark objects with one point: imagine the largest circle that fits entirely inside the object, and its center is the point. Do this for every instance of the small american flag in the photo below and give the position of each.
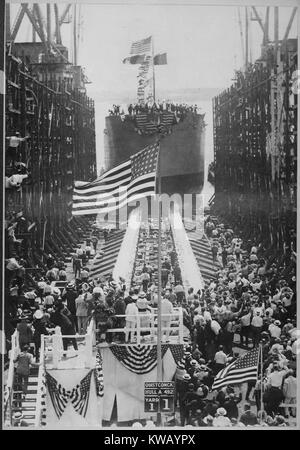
(178, 355)
(130, 180)
(80, 395)
(142, 46)
(243, 369)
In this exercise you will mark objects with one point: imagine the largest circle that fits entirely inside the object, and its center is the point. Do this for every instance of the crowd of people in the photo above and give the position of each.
(149, 118)
(179, 109)
(249, 297)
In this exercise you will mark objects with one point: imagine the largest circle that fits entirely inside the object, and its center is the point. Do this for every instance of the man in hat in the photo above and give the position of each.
(248, 417)
(81, 312)
(221, 419)
(25, 332)
(131, 319)
(144, 313)
(166, 317)
(24, 361)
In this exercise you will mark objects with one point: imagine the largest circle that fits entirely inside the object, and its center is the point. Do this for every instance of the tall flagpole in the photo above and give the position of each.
(159, 330)
(261, 380)
(153, 77)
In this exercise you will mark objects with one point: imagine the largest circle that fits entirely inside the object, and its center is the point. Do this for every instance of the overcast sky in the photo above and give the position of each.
(203, 43)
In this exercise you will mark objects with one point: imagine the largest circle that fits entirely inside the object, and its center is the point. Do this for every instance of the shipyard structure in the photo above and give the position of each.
(50, 136)
(255, 150)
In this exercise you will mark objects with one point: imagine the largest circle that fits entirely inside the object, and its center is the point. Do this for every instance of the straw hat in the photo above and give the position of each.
(30, 295)
(38, 314)
(221, 411)
(142, 303)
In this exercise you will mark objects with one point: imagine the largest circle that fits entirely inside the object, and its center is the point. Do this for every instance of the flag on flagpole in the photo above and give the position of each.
(129, 181)
(244, 368)
(160, 59)
(135, 59)
(142, 46)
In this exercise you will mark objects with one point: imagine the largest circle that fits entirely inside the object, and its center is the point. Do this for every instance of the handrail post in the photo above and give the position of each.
(180, 326)
(88, 351)
(56, 350)
(138, 330)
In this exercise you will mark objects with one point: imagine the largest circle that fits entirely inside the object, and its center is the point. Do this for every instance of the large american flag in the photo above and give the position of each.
(80, 394)
(142, 46)
(129, 181)
(244, 368)
(59, 395)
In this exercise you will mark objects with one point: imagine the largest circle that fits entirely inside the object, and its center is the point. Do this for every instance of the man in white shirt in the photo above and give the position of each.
(220, 359)
(256, 327)
(166, 317)
(274, 329)
(245, 328)
(275, 378)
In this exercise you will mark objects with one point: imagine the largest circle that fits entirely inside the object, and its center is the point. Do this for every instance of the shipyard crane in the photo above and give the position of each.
(264, 25)
(46, 24)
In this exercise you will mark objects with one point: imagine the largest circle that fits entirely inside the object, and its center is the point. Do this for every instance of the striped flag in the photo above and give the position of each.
(142, 46)
(80, 395)
(129, 181)
(59, 396)
(243, 369)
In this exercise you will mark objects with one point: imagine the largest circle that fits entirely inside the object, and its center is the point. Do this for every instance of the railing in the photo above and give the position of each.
(53, 346)
(175, 327)
(40, 386)
(11, 375)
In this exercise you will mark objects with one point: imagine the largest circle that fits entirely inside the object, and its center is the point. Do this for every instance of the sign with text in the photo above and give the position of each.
(159, 396)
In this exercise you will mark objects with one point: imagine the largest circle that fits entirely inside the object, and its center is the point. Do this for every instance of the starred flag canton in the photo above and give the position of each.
(144, 162)
(248, 360)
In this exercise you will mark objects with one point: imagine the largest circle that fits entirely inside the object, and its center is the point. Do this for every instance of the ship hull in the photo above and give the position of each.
(182, 151)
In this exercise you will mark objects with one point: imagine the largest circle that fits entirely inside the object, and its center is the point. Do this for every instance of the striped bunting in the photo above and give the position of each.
(167, 118)
(142, 46)
(243, 369)
(140, 359)
(129, 181)
(98, 373)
